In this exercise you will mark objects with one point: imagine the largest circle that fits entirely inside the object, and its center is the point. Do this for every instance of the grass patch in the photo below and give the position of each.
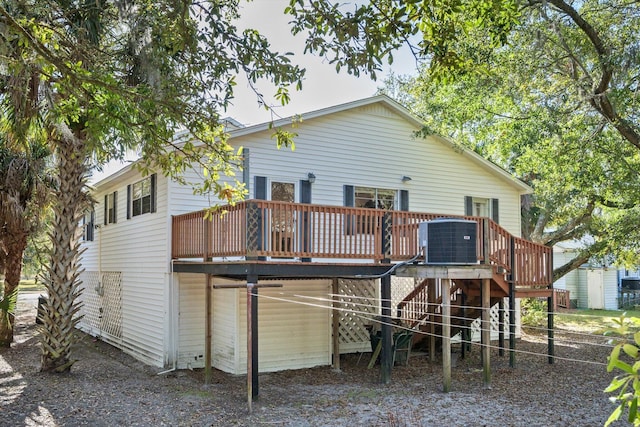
(596, 321)
(30, 286)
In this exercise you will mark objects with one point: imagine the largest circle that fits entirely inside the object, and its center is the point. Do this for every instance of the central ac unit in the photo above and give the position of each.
(449, 241)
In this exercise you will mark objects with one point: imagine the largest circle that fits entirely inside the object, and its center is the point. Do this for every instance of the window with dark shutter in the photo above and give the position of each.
(142, 196)
(88, 223)
(110, 208)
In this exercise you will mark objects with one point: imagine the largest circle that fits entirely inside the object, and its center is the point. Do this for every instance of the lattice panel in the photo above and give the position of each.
(90, 300)
(400, 288)
(495, 321)
(102, 303)
(112, 303)
(359, 303)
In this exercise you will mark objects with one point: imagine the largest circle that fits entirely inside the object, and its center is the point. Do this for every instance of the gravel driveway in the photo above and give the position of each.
(108, 388)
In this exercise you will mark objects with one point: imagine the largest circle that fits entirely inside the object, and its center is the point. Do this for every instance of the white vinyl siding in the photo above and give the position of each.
(294, 332)
(373, 147)
(139, 249)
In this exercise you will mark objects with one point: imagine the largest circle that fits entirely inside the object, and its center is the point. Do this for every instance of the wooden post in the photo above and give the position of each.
(252, 340)
(386, 358)
(431, 309)
(486, 332)
(486, 241)
(335, 319)
(501, 327)
(463, 333)
(512, 306)
(249, 348)
(446, 334)
(207, 331)
(550, 342)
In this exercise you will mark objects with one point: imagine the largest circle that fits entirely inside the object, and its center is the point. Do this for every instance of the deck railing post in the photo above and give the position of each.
(254, 231)
(387, 220)
(486, 241)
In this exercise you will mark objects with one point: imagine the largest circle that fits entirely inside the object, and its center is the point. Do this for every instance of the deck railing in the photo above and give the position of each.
(257, 229)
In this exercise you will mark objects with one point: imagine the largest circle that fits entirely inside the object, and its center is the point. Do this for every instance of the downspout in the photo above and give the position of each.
(172, 300)
(174, 364)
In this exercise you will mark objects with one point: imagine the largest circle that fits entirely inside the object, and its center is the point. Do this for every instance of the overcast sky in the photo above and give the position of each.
(322, 86)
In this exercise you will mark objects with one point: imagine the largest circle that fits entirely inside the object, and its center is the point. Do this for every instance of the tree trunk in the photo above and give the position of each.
(15, 246)
(62, 277)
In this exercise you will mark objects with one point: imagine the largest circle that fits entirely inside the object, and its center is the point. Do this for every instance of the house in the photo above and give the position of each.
(318, 225)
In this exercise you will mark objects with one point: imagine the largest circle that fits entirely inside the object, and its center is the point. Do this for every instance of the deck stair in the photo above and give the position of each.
(422, 307)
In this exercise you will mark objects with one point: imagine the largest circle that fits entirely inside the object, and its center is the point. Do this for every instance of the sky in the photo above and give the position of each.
(322, 87)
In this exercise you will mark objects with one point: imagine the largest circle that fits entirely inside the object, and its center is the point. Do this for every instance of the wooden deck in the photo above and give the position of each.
(278, 232)
(266, 239)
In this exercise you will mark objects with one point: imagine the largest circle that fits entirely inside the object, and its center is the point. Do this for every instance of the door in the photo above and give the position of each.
(595, 289)
(283, 220)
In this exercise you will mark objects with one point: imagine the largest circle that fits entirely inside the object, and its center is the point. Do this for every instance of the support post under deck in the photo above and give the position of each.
(501, 327)
(386, 358)
(431, 309)
(550, 342)
(486, 332)
(446, 334)
(512, 325)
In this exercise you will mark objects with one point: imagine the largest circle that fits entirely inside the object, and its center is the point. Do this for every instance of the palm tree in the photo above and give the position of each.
(23, 195)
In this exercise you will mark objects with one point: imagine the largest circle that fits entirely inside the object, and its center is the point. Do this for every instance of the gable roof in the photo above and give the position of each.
(378, 99)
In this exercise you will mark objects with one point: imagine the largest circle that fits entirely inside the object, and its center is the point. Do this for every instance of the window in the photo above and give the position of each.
(283, 222)
(141, 197)
(480, 207)
(366, 197)
(88, 225)
(110, 208)
(377, 198)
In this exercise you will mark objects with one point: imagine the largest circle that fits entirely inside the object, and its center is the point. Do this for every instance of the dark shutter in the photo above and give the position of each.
(153, 193)
(404, 200)
(349, 195)
(349, 201)
(106, 209)
(115, 207)
(129, 201)
(92, 225)
(260, 191)
(494, 211)
(468, 205)
(305, 197)
(305, 191)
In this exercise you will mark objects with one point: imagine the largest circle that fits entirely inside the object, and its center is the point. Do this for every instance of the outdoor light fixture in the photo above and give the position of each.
(406, 178)
(311, 177)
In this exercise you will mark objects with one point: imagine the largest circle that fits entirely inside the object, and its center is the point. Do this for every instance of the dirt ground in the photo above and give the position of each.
(108, 388)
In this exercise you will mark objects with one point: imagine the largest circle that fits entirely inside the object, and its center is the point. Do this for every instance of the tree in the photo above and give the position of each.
(118, 75)
(23, 195)
(571, 66)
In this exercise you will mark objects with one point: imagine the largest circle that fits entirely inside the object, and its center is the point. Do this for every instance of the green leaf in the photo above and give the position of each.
(615, 384)
(630, 350)
(615, 415)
